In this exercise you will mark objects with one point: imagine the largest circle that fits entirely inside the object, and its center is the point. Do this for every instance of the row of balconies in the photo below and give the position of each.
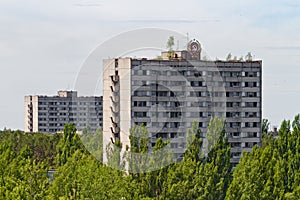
(115, 108)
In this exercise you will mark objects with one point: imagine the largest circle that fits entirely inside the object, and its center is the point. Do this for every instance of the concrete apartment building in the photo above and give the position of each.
(49, 114)
(169, 93)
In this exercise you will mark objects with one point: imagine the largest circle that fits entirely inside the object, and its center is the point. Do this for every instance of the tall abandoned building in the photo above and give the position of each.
(169, 93)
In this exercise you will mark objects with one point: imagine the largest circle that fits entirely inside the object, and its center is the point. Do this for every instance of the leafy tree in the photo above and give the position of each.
(20, 176)
(170, 44)
(138, 159)
(229, 56)
(84, 177)
(265, 126)
(182, 176)
(214, 174)
(271, 172)
(198, 177)
(69, 143)
(139, 149)
(114, 156)
(248, 57)
(158, 168)
(216, 127)
(148, 166)
(93, 142)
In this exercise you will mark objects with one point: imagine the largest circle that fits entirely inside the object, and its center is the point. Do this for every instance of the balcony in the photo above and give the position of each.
(115, 99)
(114, 94)
(114, 120)
(114, 78)
(114, 125)
(115, 130)
(115, 109)
(115, 88)
(115, 115)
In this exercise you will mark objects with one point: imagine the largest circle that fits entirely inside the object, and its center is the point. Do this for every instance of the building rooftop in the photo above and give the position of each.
(65, 94)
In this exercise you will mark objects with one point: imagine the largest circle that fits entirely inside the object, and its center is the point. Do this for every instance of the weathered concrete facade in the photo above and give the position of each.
(168, 94)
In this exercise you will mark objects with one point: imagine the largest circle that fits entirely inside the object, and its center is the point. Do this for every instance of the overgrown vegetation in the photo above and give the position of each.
(269, 172)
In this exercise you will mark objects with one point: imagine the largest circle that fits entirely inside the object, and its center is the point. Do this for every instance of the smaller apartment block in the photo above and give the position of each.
(49, 114)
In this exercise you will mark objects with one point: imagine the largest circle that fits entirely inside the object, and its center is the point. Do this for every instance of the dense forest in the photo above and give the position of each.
(271, 171)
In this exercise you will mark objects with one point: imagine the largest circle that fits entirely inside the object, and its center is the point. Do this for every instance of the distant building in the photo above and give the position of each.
(49, 114)
(169, 93)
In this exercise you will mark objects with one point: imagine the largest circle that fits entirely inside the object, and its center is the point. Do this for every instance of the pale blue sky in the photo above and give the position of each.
(43, 44)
